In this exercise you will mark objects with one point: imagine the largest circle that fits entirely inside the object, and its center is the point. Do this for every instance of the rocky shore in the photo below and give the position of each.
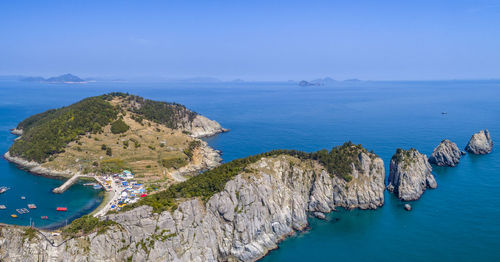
(480, 143)
(254, 212)
(37, 168)
(446, 154)
(16, 131)
(203, 127)
(410, 175)
(204, 158)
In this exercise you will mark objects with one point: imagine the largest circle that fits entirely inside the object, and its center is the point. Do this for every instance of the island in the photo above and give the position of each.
(104, 135)
(65, 79)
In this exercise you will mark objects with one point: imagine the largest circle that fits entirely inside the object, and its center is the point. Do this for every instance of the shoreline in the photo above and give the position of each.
(108, 197)
(37, 168)
(210, 159)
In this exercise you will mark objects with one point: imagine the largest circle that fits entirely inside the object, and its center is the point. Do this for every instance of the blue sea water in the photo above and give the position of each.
(458, 221)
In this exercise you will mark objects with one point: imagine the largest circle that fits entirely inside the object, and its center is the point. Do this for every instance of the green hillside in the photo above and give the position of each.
(48, 133)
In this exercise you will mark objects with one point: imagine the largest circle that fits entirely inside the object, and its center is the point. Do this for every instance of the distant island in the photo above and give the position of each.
(326, 82)
(307, 83)
(66, 78)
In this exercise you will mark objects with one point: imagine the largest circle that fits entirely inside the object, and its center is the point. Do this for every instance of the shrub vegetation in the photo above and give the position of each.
(85, 225)
(119, 127)
(48, 133)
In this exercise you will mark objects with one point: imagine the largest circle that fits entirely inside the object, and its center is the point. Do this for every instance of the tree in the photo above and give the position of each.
(109, 152)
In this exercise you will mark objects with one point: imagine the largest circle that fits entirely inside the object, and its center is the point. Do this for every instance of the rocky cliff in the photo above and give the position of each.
(410, 175)
(202, 127)
(445, 154)
(480, 143)
(255, 210)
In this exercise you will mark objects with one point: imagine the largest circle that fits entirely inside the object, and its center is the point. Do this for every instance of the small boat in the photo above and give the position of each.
(97, 186)
(3, 189)
(13, 215)
(23, 197)
(31, 206)
(61, 209)
(22, 211)
(44, 217)
(3, 207)
(89, 184)
(444, 113)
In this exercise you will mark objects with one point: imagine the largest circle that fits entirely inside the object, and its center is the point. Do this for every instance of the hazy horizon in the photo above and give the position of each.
(253, 41)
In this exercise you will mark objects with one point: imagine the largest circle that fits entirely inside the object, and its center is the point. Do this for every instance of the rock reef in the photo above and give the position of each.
(446, 154)
(410, 174)
(480, 143)
(256, 209)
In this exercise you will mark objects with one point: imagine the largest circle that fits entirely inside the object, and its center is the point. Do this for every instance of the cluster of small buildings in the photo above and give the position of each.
(127, 190)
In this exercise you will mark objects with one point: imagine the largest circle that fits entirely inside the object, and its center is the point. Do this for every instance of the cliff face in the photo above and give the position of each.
(256, 209)
(410, 175)
(480, 143)
(445, 154)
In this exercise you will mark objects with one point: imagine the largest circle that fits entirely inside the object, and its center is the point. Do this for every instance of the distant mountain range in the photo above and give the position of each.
(66, 78)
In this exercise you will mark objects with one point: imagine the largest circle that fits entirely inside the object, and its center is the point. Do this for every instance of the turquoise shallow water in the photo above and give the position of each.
(459, 221)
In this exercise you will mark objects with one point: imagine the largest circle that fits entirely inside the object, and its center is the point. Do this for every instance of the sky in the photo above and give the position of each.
(252, 40)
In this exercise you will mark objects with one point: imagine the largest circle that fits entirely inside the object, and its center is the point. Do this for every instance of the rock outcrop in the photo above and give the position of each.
(410, 175)
(255, 210)
(204, 158)
(445, 154)
(480, 143)
(203, 127)
(17, 132)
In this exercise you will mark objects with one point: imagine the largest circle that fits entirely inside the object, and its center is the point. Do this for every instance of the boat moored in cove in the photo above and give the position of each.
(3, 189)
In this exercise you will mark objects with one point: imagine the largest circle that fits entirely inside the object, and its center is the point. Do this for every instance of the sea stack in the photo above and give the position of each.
(480, 143)
(410, 174)
(445, 154)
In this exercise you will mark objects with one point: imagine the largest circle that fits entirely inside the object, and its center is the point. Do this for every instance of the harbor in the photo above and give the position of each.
(120, 189)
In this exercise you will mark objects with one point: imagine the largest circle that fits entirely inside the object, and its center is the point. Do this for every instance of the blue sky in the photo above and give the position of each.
(252, 40)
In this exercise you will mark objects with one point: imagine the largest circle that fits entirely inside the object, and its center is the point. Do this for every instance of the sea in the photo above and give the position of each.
(458, 221)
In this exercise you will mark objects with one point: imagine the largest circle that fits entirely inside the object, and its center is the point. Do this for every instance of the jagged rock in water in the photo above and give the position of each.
(255, 210)
(319, 215)
(407, 207)
(410, 174)
(480, 143)
(445, 154)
